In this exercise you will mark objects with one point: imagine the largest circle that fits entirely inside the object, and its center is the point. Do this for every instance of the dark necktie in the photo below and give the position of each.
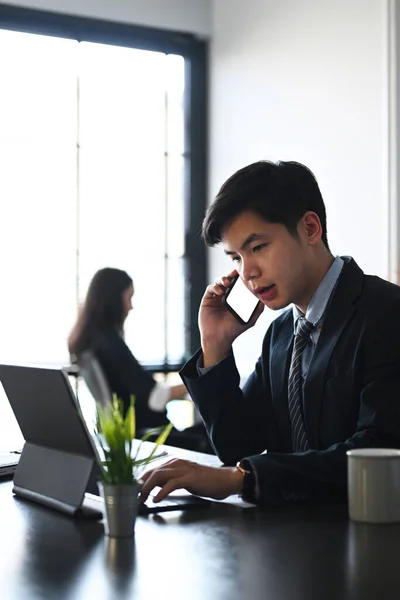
(295, 388)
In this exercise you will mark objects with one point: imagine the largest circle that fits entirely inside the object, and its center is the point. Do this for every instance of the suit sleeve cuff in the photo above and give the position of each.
(201, 370)
(250, 467)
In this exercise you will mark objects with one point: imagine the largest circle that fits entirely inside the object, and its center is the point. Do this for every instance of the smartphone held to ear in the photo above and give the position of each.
(240, 301)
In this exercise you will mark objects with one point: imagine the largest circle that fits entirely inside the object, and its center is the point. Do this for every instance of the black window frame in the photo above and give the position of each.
(195, 51)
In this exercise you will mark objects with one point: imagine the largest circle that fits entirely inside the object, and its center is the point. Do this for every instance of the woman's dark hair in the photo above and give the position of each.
(102, 310)
(279, 192)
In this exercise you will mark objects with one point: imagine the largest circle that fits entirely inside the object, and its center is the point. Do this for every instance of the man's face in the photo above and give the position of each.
(275, 265)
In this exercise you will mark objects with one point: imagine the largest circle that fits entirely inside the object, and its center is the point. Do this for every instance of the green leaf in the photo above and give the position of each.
(115, 432)
(130, 425)
(162, 438)
(146, 437)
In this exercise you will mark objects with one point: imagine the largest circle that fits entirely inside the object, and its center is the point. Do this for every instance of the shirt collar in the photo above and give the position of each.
(320, 299)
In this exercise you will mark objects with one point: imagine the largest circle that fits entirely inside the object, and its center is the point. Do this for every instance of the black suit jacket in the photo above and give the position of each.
(351, 394)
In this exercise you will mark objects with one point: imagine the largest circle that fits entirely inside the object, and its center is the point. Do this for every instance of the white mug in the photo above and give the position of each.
(374, 485)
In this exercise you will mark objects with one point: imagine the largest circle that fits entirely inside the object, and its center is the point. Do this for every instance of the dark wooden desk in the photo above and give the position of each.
(223, 553)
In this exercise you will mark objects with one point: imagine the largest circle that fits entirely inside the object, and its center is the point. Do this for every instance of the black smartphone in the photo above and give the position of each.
(240, 301)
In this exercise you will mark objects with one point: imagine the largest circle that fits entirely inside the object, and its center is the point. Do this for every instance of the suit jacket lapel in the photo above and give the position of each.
(338, 313)
(279, 373)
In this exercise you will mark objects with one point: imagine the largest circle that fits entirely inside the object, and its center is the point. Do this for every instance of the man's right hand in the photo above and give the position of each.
(218, 327)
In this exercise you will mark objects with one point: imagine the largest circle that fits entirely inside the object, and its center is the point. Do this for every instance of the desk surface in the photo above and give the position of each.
(222, 553)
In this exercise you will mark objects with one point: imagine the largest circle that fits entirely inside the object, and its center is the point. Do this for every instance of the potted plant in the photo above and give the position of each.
(120, 483)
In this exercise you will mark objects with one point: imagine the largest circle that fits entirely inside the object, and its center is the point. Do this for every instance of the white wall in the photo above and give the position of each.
(307, 81)
(192, 16)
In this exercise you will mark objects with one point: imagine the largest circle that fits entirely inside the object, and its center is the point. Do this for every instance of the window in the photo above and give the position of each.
(102, 151)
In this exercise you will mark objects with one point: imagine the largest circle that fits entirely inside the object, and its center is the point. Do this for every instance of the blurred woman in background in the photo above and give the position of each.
(100, 330)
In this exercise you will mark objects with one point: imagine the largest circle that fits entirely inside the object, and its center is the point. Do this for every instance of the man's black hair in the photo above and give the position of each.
(279, 192)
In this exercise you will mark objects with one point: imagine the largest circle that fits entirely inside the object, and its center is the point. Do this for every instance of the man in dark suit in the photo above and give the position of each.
(328, 379)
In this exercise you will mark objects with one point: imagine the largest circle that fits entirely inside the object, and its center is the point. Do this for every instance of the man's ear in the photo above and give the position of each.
(312, 227)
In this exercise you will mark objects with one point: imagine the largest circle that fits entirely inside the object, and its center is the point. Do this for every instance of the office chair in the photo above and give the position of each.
(92, 373)
(193, 438)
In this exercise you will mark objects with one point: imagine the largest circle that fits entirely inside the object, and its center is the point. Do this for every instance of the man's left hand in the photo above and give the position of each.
(212, 482)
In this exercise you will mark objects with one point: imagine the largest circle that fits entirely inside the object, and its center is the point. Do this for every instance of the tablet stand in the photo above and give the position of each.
(54, 478)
